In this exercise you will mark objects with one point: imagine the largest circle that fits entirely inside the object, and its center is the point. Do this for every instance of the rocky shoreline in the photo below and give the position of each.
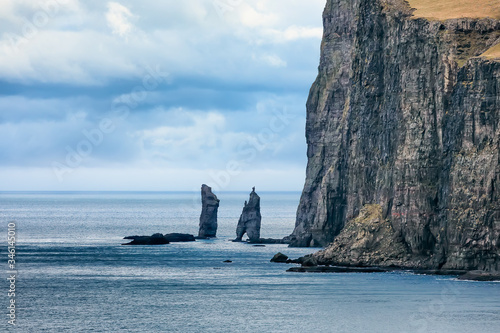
(309, 264)
(459, 274)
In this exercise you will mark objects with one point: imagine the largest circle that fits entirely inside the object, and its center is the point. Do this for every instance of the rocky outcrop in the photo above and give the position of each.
(159, 239)
(366, 240)
(155, 239)
(338, 269)
(176, 238)
(404, 115)
(250, 219)
(480, 276)
(279, 257)
(269, 241)
(459, 274)
(208, 217)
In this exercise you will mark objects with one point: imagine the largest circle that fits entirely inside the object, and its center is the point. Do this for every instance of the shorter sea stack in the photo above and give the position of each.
(250, 219)
(208, 217)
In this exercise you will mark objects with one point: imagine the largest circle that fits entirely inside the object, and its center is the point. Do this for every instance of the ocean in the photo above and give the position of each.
(73, 274)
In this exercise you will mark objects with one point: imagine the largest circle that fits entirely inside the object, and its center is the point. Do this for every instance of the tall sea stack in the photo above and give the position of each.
(403, 134)
(250, 219)
(208, 217)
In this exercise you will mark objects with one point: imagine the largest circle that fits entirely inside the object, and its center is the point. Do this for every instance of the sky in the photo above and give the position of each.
(155, 95)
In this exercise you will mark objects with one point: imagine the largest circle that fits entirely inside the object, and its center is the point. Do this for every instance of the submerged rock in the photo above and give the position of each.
(250, 219)
(208, 217)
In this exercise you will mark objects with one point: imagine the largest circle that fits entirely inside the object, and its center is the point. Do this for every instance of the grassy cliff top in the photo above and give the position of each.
(450, 9)
(493, 53)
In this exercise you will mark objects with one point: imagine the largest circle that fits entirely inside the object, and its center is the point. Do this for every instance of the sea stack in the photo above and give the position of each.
(208, 217)
(250, 218)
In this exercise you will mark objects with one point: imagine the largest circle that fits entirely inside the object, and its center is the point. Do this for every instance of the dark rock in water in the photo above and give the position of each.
(250, 219)
(338, 269)
(309, 262)
(279, 257)
(156, 239)
(462, 275)
(208, 217)
(175, 237)
(403, 115)
(480, 276)
(159, 239)
(268, 241)
(295, 261)
(228, 261)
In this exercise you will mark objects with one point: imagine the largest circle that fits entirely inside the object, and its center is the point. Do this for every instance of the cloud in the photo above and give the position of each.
(272, 59)
(118, 19)
(294, 32)
(194, 141)
(251, 17)
(229, 77)
(187, 39)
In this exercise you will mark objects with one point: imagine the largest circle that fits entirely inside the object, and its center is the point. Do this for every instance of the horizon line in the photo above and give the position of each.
(139, 191)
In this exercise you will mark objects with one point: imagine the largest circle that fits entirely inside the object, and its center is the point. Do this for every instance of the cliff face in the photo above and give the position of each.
(405, 115)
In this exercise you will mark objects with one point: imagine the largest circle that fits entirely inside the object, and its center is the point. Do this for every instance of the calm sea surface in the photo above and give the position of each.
(74, 276)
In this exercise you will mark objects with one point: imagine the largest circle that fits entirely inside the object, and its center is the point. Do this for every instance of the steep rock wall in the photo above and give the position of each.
(405, 115)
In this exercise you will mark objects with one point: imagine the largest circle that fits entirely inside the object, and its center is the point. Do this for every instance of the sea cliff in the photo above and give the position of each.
(403, 134)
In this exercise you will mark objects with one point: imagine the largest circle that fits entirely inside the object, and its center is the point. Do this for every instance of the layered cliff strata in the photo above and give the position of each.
(405, 115)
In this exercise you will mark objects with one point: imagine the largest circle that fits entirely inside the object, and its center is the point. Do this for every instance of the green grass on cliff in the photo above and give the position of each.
(450, 9)
(493, 53)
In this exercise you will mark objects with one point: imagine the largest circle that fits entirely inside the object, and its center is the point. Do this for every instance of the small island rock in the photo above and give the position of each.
(159, 239)
(156, 239)
(279, 257)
